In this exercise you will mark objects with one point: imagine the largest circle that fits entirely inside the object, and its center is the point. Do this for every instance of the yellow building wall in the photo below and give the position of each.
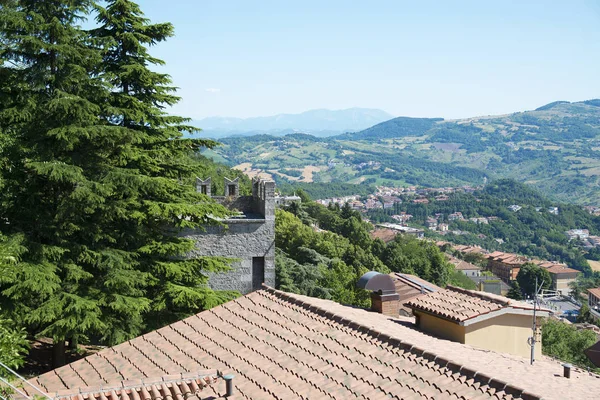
(506, 333)
(562, 285)
(440, 327)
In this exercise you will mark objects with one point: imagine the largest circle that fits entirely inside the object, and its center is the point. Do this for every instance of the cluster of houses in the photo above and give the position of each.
(434, 223)
(583, 236)
(551, 210)
(385, 197)
(594, 210)
(368, 164)
(506, 266)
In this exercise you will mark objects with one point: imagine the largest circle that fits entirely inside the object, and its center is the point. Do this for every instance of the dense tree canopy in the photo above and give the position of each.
(566, 343)
(96, 176)
(529, 275)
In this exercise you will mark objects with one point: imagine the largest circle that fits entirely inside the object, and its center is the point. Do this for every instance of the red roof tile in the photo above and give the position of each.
(280, 345)
(200, 385)
(562, 269)
(409, 286)
(460, 305)
(595, 292)
(462, 265)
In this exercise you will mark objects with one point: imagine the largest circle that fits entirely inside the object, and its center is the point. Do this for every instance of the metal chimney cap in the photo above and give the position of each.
(376, 282)
(363, 280)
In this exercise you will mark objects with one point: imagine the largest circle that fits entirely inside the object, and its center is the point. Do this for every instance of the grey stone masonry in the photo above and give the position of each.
(232, 187)
(203, 186)
(248, 236)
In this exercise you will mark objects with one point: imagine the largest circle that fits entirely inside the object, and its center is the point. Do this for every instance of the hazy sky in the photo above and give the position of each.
(415, 58)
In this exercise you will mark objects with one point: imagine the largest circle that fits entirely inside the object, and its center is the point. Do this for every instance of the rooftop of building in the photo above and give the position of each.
(465, 306)
(595, 291)
(409, 286)
(280, 345)
(401, 228)
(558, 269)
(201, 385)
(462, 265)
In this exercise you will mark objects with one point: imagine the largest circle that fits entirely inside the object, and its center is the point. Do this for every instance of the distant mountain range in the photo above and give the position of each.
(319, 123)
(555, 148)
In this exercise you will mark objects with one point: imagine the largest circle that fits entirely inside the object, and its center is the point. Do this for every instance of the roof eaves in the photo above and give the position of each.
(502, 311)
(198, 380)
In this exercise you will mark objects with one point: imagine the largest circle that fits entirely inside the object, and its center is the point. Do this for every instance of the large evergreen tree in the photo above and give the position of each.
(97, 178)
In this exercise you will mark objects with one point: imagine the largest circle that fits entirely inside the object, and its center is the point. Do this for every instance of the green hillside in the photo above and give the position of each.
(555, 148)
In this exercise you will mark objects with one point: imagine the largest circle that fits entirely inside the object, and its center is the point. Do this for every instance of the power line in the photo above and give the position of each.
(24, 380)
(14, 388)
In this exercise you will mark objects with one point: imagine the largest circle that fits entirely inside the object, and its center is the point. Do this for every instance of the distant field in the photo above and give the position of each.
(308, 173)
(250, 172)
(447, 146)
(594, 264)
(243, 167)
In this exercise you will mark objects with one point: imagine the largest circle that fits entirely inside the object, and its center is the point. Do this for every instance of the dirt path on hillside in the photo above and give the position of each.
(308, 173)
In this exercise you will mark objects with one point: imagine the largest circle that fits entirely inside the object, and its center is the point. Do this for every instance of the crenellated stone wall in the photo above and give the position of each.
(248, 236)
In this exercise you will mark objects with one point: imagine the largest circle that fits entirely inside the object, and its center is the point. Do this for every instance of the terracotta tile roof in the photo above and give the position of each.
(462, 265)
(409, 286)
(495, 254)
(200, 385)
(595, 292)
(546, 264)
(280, 345)
(562, 269)
(460, 305)
(412, 281)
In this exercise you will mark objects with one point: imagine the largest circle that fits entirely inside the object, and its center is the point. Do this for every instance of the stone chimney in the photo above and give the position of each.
(384, 298)
(386, 304)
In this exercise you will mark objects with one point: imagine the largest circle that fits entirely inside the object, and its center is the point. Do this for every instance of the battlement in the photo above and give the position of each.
(261, 205)
(248, 236)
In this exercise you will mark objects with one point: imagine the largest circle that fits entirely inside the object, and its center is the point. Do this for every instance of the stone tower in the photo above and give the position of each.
(249, 236)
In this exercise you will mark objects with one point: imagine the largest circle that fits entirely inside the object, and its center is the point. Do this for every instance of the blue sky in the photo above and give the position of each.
(448, 59)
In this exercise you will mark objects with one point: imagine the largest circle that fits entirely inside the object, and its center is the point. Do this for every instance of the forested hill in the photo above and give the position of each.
(555, 148)
(397, 127)
(559, 120)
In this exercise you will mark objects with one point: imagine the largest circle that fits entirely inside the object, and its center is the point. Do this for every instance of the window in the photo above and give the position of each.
(258, 272)
(203, 189)
(231, 190)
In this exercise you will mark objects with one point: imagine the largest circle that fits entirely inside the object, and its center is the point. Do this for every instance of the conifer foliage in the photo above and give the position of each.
(96, 177)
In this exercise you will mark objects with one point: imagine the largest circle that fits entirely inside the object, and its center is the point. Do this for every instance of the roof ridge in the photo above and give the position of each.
(406, 346)
(481, 295)
(409, 282)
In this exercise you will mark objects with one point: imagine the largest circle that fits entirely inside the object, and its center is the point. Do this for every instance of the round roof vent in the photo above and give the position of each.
(377, 282)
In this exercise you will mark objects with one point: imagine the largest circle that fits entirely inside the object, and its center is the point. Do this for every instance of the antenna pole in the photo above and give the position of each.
(534, 324)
